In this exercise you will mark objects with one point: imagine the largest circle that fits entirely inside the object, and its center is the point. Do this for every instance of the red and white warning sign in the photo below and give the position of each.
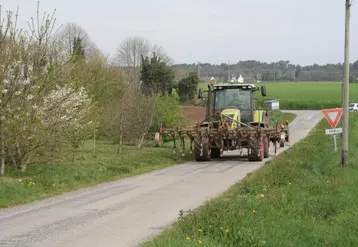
(333, 115)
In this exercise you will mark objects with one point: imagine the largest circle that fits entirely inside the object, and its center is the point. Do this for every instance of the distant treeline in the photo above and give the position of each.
(253, 70)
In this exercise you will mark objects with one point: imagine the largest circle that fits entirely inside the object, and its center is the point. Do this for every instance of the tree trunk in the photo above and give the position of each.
(83, 150)
(23, 167)
(2, 165)
(148, 127)
(24, 164)
(94, 142)
(119, 151)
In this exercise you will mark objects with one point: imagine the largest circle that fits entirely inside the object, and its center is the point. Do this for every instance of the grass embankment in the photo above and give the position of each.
(42, 181)
(306, 95)
(276, 115)
(301, 198)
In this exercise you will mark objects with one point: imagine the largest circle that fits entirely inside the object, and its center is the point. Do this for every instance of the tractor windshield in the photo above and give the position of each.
(233, 98)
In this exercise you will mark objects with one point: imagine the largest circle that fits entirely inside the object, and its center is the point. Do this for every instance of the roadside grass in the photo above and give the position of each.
(41, 181)
(277, 115)
(305, 95)
(300, 198)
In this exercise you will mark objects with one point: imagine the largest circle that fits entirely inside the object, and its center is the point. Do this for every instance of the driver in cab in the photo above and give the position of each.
(235, 100)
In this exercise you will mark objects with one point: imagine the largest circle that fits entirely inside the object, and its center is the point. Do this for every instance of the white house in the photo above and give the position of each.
(241, 79)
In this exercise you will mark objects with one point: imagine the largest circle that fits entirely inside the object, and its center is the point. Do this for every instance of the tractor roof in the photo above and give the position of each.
(233, 86)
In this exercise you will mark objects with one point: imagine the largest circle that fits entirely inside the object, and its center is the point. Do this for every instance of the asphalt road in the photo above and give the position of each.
(128, 211)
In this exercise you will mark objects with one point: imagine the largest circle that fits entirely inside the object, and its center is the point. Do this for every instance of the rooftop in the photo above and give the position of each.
(238, 85)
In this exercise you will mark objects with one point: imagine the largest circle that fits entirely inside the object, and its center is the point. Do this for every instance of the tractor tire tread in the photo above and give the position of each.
(254, 151)
(206, 151)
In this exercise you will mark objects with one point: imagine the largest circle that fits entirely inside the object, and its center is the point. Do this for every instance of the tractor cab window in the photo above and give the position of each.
(233, 98)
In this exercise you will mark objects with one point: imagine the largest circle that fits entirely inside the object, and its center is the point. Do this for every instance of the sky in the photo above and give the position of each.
(300, 31)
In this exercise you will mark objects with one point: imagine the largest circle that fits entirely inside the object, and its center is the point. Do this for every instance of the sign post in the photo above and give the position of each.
(333, 116)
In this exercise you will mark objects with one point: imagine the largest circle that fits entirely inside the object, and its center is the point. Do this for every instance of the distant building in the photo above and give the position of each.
(240, 79)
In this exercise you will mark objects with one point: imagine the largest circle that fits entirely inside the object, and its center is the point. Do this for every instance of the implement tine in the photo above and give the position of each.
(191, 144)
(175, 146)
(182, 145)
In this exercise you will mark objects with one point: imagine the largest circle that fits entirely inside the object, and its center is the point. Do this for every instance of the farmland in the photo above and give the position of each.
(295, 200)
(306, 95)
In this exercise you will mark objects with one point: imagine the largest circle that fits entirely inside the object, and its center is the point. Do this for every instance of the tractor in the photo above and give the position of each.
(232, 122)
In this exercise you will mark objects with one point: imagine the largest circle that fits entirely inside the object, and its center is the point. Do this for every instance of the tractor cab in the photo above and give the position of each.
(218, 132)
(236, 102)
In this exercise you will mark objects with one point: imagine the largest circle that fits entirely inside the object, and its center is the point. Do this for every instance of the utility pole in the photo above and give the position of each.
(228, 71)
(199, 70)
(345, 93)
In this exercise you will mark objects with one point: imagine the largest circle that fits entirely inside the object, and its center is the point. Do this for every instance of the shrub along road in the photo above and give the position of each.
(131, 210)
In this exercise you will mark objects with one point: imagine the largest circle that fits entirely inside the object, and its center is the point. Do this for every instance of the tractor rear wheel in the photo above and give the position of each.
(267, 148)
(202, 150)
(255, 152)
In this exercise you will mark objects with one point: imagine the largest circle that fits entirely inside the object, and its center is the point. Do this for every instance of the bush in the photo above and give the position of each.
(168, 112)
(187, 87)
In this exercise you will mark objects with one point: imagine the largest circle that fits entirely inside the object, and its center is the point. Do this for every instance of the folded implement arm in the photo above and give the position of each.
(212, 138)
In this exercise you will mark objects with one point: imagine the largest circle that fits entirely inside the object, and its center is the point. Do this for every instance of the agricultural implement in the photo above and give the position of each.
(232, 122)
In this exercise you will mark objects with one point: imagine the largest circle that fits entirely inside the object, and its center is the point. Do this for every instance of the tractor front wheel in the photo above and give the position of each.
(202, 150)
(256, 153)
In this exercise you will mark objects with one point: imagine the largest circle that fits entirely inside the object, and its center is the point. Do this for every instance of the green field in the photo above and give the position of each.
(301, 198)
(306, 95)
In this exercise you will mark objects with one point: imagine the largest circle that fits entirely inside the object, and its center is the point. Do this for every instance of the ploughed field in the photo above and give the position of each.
(194, 113)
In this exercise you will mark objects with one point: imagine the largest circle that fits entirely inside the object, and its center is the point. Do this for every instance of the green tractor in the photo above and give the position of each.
(232, 122)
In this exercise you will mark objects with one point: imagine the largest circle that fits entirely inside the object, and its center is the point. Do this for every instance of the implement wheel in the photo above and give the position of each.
(282, 143)
(201, 149)
(267, 149)
(255, 152)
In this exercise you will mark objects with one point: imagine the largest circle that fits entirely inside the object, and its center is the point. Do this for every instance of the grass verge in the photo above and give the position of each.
(41, 181)
(277, 115)
(301, 198)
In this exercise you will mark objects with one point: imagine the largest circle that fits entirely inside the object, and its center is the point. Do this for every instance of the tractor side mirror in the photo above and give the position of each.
(200, 93)
(263, 91)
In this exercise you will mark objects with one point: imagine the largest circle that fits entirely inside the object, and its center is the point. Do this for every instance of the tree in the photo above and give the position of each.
(129, 55)
(156, 76)
(69, 35)
(352, 79)
(130, 51)
(40, 100)
(187, 87)
(297, 72)
(78, 51)
(160, 53)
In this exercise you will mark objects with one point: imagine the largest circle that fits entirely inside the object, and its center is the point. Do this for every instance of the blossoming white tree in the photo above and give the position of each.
(40, 103)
